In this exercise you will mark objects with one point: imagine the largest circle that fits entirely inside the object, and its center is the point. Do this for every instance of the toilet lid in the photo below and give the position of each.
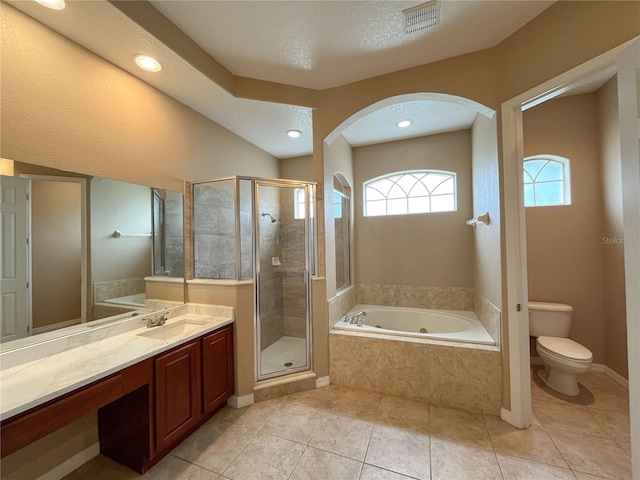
(565, 347)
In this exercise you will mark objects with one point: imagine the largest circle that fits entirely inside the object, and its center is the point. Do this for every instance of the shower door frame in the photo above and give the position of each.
(308, 270)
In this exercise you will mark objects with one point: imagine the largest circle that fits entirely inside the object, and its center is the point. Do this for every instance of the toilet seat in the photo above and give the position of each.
(565, 349)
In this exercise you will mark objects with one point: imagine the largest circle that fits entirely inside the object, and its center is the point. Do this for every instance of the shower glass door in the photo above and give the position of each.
(282, 266)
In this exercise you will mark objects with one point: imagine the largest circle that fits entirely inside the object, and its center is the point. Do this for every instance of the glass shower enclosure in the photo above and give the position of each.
(262, 230)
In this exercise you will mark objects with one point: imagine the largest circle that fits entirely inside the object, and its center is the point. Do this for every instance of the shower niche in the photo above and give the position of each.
(262, 230)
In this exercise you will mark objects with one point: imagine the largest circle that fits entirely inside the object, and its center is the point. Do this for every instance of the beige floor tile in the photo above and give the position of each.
(586, 476)
(453, 460)
(293, 421)
(571, 418)
(598, 381)
(342, 435)
(593, 455)
(173, 468)
(370, 472)
(459, 426)
(253, 416)
(532, 443)
(358, 404)
(102, 468)
(266, 457)
(612, 399)
(615, 423)
(403, 413)
(534, 419)
(215, 445)
(320, 465)
(321, 398)
(624, 442)
(519, 469)
(400, 451)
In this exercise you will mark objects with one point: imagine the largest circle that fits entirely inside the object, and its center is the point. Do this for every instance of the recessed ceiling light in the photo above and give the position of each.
(147, 63)
(294, 133)
(404, 123)
(54, 4)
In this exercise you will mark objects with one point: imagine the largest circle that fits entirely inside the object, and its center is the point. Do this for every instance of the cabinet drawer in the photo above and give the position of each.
(20, 431)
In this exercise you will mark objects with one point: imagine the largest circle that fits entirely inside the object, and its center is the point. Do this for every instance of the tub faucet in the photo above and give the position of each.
(358, 317)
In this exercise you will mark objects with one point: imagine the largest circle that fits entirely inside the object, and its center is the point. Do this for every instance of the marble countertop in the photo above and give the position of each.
(32, 383)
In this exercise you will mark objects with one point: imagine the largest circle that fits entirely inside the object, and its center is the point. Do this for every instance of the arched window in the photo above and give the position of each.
(417, 191)
(546, 181)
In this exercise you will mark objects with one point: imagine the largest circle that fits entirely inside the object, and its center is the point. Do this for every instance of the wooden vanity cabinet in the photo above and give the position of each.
(145, 409)
(178, 376)
(217, 368)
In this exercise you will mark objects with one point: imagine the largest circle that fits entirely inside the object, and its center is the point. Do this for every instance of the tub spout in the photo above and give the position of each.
(358, 318)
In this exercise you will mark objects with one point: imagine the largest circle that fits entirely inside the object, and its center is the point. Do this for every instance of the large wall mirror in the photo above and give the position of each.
(342, 226)
(80, 251)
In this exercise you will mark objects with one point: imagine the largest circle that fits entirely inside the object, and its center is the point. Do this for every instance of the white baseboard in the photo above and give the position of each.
(68, 466)
(323, 382)
(616, 377)
(505, 415)
(242, 401)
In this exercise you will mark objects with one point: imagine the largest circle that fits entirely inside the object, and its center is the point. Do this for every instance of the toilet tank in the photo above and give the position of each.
(549, 319)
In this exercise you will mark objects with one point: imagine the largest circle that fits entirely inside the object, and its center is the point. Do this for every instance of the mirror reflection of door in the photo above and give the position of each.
(58, 252)
(14, 261)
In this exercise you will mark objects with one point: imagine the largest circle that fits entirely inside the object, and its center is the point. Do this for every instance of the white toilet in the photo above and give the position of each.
(563, 358)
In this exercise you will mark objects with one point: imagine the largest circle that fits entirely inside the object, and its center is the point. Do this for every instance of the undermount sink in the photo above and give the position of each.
(173, 330)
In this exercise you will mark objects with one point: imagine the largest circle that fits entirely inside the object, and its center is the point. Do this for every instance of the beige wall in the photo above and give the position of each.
(615, 318)
(564, 247)
(297, 168)
(434, 249)
(55, 113)
(486, 199)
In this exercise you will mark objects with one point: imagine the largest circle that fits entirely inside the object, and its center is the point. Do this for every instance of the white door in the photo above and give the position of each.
(14, 297)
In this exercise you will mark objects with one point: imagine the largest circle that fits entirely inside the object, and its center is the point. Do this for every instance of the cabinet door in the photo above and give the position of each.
(217, 368)
(178, 381)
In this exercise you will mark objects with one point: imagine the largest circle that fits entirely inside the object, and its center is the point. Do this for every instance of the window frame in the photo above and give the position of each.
(426, 171)
(299, 208)
(566, 179)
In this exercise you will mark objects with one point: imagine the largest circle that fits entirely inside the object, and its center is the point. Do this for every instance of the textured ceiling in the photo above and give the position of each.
(323, 44)
(315, 44)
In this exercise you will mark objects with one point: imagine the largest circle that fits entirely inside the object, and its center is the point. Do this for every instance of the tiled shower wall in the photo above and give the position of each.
(214, 234)
(174, 237)
(293, 256)
(271, 276)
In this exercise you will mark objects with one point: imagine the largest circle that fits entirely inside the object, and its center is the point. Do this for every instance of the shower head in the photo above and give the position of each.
(273, 220)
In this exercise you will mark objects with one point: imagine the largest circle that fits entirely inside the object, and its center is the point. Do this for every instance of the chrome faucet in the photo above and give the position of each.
(156, 322)
(358, 317)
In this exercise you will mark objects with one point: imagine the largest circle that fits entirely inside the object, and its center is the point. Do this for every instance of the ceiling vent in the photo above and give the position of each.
(421, 16)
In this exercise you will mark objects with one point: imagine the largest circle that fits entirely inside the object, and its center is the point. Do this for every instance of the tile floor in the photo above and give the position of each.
(337, 433)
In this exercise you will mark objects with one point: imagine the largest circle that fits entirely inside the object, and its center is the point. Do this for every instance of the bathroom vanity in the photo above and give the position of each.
(152, 387)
